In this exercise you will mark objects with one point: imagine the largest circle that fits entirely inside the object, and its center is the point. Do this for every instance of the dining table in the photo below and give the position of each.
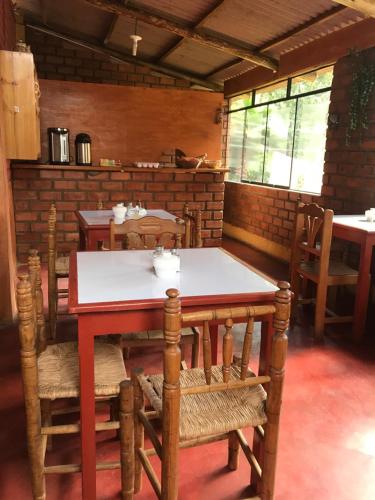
(357, 229)
(93, 225)
(117, 292)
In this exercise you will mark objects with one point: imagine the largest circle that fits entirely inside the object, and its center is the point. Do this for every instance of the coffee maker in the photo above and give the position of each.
(58, 142)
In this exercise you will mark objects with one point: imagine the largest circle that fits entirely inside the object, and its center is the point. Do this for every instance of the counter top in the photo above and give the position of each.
(124, 168)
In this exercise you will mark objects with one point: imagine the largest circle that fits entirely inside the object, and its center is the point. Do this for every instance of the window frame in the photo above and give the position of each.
(289, 96)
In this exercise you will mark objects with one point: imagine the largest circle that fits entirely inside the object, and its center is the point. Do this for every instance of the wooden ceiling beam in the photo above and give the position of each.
(365, 6)
(315, 21)
(124, 8)
(111, 29)
(201, 22)
(121, 58)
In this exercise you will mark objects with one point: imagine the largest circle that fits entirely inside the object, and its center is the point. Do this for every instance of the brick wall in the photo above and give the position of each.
(59, 60)
(263, 211)
(35, 188)
(349, 179)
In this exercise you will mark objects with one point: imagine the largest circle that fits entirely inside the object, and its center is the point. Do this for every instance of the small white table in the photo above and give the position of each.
(94, 225)
(118, 292)
(357, 229)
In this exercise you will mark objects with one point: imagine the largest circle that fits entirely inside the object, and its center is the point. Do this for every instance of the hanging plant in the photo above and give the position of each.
(363, 84)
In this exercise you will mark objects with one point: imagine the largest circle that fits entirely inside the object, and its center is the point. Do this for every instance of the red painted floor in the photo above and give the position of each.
(327, 436)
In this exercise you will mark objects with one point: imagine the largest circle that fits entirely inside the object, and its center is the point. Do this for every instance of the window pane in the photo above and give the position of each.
(235, 142)
(315, 80)
(309, 142)
(255, 131)
(239, 102)
(271, 93)
(279, 144)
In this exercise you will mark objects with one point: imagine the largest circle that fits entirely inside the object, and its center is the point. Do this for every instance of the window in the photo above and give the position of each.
(277, 133)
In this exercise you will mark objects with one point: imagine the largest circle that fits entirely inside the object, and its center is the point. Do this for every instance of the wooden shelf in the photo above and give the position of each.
(125, 168)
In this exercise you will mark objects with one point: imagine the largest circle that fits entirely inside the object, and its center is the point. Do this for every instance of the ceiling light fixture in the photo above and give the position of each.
(136, 38)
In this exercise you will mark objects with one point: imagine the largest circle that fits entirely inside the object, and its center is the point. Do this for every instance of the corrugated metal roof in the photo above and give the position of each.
(247, 23)
(154, 40)
(196, 58)
(188, 11)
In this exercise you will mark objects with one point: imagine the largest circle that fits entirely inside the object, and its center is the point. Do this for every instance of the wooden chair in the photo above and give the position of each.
(198, 406)
(311, 262)
(58, 267)
(146, 233)
(193, 227)
(51, 372)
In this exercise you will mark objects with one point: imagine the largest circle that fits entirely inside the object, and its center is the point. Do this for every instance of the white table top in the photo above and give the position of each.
(102, 217)
(129, 275)
(355, 221)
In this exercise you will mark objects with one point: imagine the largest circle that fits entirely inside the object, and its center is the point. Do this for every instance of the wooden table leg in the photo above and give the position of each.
(214, 330)
(82, 239)
(267, 332)
(362, 292)
(87, 404)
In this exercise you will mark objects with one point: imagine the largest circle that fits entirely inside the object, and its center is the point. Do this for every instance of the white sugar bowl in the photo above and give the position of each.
(166, 264)
(119, 211)
(370, 215)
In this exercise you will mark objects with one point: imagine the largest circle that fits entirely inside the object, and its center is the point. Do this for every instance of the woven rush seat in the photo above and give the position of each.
(58, 369)
(152, 335)
(214, 412)
(62, 266)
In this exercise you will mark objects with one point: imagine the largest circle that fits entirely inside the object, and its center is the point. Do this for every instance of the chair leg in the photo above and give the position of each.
(138, 428)
(295, 287)
(195, 350)
(34, 445)
(46, 416)
(320, 310)
(233, 451)
(127, 439)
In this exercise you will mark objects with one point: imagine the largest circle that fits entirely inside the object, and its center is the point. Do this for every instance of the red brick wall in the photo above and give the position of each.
(59, 60)
(349, 180)
(264, 211)
(34, 189)
(7, 26)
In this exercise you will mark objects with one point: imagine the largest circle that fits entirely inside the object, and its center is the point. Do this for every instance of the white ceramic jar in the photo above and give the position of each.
(119, 211)
(166, 264)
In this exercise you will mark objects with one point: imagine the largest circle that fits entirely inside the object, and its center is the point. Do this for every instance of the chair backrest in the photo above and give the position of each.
(147, 233)
(172, 391)
(312, 236)
(37, 297)
(193, 227)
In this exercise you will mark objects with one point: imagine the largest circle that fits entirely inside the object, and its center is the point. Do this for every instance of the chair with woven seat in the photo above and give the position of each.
(311, 262)
(202, 405)
(146, 233)
(51, 372)
(58, 268)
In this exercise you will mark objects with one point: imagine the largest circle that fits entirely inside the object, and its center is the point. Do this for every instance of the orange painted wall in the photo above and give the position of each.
(132, 123)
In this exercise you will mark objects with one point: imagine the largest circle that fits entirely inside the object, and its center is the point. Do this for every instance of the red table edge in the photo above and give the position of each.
(75, 308)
